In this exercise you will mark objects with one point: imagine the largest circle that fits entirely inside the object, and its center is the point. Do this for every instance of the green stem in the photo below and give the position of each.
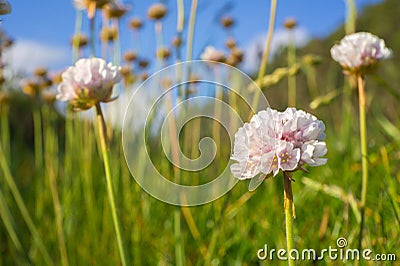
(106, 160)
(289, 213)
(291, 78)
(351, 17)
(264, 60)
(37, 127)
(9, 223)
(92, 36)
(51, 152)
(192, 20)
(22, 207)
(5, 131)
(364, 152)
(78, 26)
(159, 41)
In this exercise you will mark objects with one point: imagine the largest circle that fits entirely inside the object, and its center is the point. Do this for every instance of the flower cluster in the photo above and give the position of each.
(87, 83)
(360, 52)
(274, 141)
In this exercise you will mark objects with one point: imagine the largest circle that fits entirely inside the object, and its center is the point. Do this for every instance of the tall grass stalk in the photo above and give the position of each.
(9, 223)
(38, 139)
(291, 55)
(5, 131)
(78, 27)
(22, 208)
(364, 152)
(110, 191)
(289, 213)
(51, 163)
(158, 27)
(264, 60)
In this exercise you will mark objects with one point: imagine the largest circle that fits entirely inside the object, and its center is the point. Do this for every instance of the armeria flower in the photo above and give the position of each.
(87, 83)
(212, 54)
(274, 141)
(360, 52)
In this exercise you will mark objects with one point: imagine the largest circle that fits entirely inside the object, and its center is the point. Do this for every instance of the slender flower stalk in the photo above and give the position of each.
(264, 60)
(23, 209)
(290, 24)
(359, 54)
(86, 84)
(364, 151)
(274, 141)
(289, 213)
(110, 191)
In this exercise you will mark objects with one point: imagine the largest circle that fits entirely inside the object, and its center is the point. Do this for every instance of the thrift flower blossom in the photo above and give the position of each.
(87, 83)
(212, 54)
(360, 52)
(274, 141)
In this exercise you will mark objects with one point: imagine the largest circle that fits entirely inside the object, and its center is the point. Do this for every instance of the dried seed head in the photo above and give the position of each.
(230, 43)
(231, 60)
(7, 43)
(56, 78)
(290, 23)
(125, 71)
(80, 40)
(237, 53)
(45, 82)
(157, 11)
(40, 72)
(163, 53)
(143, 63)
(5, 7)
(136, 23)
(227, 22)
(130, 56)
(177, 41)
(144, 76)
(109, 34)
(115, 10)
(31, 88)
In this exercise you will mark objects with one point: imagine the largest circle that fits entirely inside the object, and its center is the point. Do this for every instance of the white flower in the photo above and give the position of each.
(274, 141)
(212, 54)
(360, 52)
(312, 151)
(87, 83)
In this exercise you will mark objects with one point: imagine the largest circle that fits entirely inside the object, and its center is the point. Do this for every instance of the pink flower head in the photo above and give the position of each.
(274, 141)
(360, 52)
(87, 83)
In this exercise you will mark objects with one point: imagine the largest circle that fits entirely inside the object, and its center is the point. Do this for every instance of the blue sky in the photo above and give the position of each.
(42, 29)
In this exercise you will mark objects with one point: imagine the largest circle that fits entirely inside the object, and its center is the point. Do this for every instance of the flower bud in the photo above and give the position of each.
(157, 11)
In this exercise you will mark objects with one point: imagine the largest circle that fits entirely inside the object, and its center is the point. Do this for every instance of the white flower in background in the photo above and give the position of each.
(212, 54)
(360, 52)
(274, 141)
(87, 83)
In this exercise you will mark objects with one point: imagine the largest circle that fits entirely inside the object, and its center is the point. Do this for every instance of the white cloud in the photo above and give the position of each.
(281, 37)
(26, 55)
